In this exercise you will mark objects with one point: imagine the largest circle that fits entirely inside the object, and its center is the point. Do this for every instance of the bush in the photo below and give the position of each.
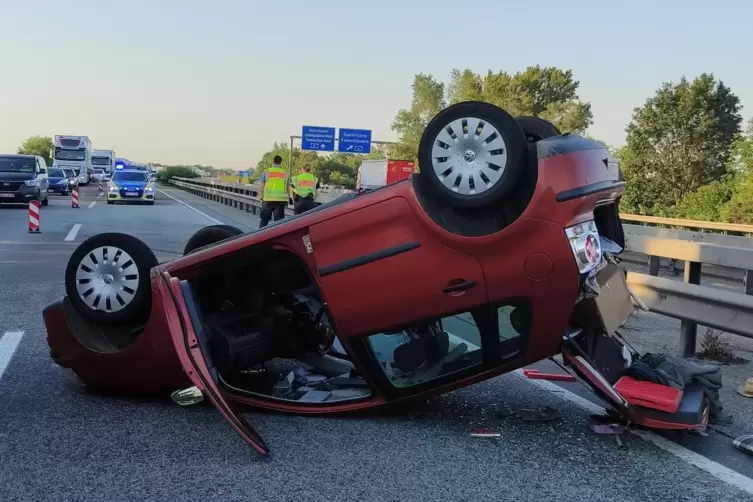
(175, 172)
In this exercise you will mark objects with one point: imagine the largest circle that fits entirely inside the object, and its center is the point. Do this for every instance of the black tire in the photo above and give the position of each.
(64, 194)
(536, 128)
(111, 202)
(210, 235)
(132, 314)
(515, 146)
(45, 201)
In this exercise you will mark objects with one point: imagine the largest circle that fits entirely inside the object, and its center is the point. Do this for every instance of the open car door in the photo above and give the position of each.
(191, 346)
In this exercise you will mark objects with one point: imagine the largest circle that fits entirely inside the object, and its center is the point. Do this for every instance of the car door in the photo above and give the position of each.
(191, 346)
(379, 268)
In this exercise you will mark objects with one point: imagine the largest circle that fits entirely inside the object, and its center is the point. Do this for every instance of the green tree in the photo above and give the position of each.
(428, 100)
(38, 145)
(679, 141)
(546, 92)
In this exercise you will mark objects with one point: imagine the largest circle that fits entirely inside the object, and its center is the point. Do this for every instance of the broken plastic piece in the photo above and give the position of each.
(608, 429)
(538, 375)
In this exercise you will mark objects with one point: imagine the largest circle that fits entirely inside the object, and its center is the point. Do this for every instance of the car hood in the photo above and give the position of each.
(10, 176)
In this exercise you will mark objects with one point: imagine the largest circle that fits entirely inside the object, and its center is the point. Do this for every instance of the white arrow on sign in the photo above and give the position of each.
(323, 146)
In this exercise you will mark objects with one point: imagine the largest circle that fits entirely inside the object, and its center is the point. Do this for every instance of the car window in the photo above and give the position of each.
(17, 164)
(56, 173)
(430, 350)
(129, 176)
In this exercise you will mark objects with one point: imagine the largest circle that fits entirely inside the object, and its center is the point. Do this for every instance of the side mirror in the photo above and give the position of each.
(42, 171)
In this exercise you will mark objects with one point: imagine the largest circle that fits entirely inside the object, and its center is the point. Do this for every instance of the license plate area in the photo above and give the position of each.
(131, 194)
(7, 195)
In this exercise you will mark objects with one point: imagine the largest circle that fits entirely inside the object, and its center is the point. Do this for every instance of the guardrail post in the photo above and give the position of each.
(653, 265)
(689, 329)
(748, 282)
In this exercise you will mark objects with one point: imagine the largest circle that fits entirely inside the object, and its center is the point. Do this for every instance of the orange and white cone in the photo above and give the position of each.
(34, 217)
(74, 198)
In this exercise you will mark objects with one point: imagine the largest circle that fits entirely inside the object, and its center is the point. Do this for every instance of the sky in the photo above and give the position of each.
(218, 82)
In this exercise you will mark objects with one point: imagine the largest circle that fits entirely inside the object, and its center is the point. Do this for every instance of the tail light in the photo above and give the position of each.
(586, 246)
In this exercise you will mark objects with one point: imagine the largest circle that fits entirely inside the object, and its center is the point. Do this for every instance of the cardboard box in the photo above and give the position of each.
(611, 308)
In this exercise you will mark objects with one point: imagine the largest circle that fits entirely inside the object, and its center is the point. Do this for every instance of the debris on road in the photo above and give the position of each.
(744, 443)
(545, 414)
(485, 433)
(746, 389)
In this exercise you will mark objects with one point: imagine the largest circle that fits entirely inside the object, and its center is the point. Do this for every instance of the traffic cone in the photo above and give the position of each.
(74, 198)
(34, 217)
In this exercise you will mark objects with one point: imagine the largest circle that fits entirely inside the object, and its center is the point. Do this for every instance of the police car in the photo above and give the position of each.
(131, 185)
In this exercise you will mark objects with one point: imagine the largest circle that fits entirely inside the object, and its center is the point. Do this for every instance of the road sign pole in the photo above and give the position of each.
(290, 165)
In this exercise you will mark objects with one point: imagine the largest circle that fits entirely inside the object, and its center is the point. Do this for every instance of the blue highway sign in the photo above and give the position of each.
(354, 141)
(321, 139)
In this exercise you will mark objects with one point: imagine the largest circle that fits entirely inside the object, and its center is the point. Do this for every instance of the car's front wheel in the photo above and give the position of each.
(471, 154)
(210, 235)
(107, 279)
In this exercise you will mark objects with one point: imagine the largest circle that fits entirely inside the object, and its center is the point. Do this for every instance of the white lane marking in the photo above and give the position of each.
(213, 220)
(8, 345)
(91, 204)
(707, 465)
(73, 232)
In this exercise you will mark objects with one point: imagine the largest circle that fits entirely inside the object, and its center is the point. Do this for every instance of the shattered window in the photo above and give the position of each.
(429, 350)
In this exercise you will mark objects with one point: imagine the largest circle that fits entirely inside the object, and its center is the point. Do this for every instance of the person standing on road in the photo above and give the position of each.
(273, 192)
(304, 191)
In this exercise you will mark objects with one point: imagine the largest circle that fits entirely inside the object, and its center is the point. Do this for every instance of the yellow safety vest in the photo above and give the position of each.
(274, 185)
(305, 184)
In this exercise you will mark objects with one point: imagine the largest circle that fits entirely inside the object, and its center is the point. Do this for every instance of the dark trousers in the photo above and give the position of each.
(271, 210)
(303, 204)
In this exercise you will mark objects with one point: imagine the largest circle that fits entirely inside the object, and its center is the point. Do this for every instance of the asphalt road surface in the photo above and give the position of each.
(58, 443)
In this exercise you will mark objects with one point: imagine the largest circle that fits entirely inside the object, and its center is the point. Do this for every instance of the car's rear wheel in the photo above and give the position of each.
(536, 128)
(471, 154)
(210, 235)
(107, 279)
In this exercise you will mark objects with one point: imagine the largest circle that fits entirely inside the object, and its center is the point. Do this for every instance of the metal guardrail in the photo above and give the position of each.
(689, 224)
(688, 301)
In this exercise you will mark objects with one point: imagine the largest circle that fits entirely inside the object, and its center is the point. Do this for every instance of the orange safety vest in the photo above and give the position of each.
(274, 185)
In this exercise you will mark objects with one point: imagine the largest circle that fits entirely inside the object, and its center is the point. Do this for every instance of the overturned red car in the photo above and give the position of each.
(486, 261)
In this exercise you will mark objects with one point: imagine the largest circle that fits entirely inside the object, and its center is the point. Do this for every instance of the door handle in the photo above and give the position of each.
(460, 286)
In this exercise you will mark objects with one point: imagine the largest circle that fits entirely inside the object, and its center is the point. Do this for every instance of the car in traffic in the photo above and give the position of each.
(23, 178)
(99, 175)
(497, 254)
(59, 181)
(131, 185)
(72, 178)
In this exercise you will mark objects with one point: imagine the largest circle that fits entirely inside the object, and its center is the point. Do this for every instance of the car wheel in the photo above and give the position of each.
(45, 201)
(110, 202)
(64, 194)
(210, 235)
(471, 154)
(536, 128)
(107, 279)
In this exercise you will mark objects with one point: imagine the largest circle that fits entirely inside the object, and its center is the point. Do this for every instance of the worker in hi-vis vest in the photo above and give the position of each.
(273, 189)
(304, 191)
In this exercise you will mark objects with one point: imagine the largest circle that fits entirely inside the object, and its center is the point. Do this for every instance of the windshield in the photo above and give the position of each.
(61, 154)
(121, 176)
(69, 173)
(56, 173)
(101, 161)
(98, 171)
(18, 164)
